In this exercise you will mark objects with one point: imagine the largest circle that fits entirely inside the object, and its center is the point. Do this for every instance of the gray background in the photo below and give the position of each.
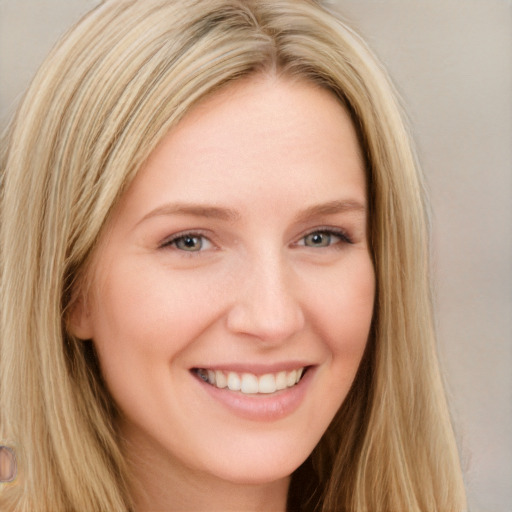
(452, 63)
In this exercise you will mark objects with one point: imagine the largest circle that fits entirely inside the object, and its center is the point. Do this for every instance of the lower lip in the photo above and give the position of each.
(261, 407)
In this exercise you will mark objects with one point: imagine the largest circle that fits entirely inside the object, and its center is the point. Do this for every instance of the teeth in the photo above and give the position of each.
(281, 380)
(249, 383)
(267, 384)
(234, 381)
(291, 378)
(220, 380)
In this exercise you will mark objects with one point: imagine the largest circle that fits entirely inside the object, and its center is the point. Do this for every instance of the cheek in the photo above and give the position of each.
(144, 315)
(344, 310)
(344, 303)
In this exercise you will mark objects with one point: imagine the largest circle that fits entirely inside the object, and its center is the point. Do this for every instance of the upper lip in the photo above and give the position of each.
(255, 368)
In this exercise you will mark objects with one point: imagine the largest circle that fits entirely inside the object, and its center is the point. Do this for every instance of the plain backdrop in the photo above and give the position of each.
(452, 63)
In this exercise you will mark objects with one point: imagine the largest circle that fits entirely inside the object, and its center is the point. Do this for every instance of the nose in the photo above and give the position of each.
(266, 305)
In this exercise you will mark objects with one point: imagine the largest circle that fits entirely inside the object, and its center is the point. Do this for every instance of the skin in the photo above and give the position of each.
(258, 173)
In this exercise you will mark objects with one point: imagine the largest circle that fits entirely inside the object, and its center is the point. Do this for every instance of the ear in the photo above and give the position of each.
(79, 320)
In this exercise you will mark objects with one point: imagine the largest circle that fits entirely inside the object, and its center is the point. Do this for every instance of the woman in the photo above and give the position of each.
(214, 272)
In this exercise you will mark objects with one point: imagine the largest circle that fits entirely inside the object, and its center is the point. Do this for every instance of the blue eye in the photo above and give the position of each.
(188, 242)
(318, 239)
(324, 238)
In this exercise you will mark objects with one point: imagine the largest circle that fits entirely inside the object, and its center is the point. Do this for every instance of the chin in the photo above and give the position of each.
(260, 462)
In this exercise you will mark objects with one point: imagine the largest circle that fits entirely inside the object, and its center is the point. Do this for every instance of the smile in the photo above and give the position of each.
(249, 383)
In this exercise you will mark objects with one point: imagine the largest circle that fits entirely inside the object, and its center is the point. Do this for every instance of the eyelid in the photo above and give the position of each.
(338, 232)
(170, 240)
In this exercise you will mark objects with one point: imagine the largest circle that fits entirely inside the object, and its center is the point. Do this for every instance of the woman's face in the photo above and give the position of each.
(237, 258)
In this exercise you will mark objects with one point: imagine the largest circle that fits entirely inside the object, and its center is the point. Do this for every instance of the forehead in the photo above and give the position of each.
(263, 137)
(265, 105)
(251, 122)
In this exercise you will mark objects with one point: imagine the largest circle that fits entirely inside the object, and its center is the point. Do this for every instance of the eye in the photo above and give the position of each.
(318, 239)
(324, 238)
(188, 242)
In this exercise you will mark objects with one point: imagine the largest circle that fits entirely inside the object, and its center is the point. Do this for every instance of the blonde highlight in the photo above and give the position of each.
(100, 104)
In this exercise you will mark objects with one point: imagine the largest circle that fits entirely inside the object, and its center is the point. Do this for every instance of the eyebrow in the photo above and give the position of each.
(194, 210)
(230, 215)
(331, 208)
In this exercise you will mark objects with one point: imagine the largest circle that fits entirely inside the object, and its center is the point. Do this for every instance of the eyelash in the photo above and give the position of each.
(344, 238)
(173, 240)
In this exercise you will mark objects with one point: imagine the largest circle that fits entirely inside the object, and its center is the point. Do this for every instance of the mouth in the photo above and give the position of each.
(250, 383)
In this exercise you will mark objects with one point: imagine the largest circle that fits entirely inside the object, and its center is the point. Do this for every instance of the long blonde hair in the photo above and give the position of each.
(99, 105)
